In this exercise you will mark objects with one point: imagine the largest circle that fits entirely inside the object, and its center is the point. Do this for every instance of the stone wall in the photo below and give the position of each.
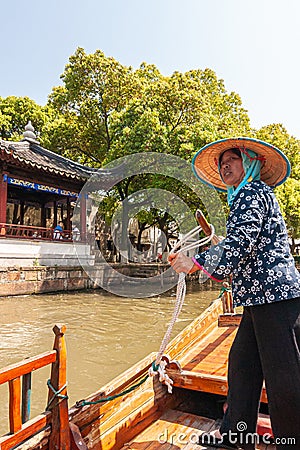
(34, 280)
(40, 279)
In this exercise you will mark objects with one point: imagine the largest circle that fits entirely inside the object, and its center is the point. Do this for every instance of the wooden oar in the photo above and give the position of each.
(201, 219)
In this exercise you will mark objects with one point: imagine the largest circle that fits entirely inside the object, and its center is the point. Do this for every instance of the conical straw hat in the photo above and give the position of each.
(275, 167)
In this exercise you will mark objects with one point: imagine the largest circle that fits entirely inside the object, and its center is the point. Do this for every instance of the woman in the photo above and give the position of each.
(265, 282)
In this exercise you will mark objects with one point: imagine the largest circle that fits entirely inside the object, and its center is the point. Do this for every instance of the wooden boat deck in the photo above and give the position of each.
(204, 363)
(210, 355)
(176, 430)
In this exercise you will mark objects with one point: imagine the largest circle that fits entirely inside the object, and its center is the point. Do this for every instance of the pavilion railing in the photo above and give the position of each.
(11, 230)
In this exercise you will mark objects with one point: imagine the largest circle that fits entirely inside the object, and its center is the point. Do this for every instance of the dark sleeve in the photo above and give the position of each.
(244, 224)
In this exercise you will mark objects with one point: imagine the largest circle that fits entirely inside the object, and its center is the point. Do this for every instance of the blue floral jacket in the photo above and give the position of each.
(255, 251)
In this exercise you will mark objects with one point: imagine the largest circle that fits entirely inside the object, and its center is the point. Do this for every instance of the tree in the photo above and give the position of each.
(176, 115)
(15, 112)
(94, 86)
(278, 136)
(288, 194)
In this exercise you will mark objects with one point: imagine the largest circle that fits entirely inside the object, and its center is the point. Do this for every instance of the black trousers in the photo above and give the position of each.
(266, 347)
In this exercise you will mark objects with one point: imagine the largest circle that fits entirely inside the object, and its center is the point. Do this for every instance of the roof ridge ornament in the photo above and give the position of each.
(29, 134)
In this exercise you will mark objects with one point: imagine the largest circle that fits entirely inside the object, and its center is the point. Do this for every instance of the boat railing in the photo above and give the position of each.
(11, 230)
(54, 421)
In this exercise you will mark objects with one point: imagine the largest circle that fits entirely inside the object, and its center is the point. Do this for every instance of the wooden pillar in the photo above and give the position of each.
(60, 435)
(55, 213)
(3, 197)
(43, 215)
(68, 224)
(83, 233)
(22, 208)
(61, 212)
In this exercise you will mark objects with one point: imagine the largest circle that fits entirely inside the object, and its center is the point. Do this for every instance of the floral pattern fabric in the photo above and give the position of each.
(255, 251)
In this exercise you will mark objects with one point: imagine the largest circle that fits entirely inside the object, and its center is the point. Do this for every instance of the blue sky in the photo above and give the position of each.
(253, 45)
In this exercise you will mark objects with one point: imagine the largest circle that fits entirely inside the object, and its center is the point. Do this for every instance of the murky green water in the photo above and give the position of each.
(105, 335)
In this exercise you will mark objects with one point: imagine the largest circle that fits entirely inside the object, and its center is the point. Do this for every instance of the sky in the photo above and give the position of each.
(253, 45)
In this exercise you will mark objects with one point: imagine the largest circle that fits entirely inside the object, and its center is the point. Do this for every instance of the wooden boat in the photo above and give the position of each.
(134, 411)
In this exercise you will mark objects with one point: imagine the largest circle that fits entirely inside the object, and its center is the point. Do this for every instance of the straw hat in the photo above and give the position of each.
(275, 165)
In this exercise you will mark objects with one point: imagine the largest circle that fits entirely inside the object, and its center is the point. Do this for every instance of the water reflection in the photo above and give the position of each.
(105, 335)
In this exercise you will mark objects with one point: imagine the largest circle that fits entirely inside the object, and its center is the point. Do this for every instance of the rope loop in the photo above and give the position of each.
(57, 394)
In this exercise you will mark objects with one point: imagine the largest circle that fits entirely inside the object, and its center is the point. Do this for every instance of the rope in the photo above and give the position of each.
(180, 246)
(57, 394)
(82, 403)
(224, 289)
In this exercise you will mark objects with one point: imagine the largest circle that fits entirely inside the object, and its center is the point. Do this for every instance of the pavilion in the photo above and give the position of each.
(39, 189)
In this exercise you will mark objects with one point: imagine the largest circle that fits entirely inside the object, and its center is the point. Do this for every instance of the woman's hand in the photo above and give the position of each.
(182, 263)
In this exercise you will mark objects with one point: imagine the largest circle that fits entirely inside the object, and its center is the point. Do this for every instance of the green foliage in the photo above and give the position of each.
(15, 112)
(94, 88)
(108, 110)
(278, 136)
(288, 194)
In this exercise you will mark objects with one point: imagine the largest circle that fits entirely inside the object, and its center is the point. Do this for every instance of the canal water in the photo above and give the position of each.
(105, 335)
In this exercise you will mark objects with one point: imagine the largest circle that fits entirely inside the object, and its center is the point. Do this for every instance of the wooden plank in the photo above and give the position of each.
(123, 431)
(174, 429)
(125, 410)
(21, 368)
(203, 382)
(211, 352)
(195, 331)
(31, 427)
(60, 435)
(15, 422)
(190, 434)
(229, 320)
(214, 427)
(135, 412)
(161, 433)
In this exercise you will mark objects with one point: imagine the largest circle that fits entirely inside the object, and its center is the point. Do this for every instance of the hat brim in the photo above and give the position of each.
(275, 169)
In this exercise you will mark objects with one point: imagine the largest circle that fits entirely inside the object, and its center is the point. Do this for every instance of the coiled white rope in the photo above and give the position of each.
(181, 246)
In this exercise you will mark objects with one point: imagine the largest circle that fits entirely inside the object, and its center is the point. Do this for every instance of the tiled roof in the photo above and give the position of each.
(35, 156)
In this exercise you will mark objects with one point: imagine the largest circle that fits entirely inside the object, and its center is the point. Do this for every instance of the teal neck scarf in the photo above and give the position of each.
(252, 166)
